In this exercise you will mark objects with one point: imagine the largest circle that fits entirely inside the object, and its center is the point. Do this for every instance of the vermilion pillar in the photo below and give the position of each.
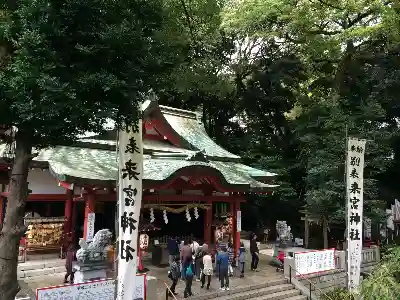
(1, 210)
(207, 224)
(89, 208)
(73, 221)
(68, 212)
(236, 234)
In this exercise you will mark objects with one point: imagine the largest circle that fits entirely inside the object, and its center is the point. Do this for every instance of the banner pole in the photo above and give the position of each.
(346, 205)
(130, 189)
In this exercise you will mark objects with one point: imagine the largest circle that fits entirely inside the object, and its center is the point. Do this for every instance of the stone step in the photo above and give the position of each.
(36, 264)
(252, 294)
(298, 297)
(40, 272)
(284, 295)
(237, 290)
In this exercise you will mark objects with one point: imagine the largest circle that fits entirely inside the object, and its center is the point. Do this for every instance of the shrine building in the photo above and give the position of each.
(184, 171)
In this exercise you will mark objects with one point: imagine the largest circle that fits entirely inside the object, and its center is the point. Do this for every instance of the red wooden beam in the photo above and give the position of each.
(169, 198)
(153, 137)
(42, 197)
(190, 198)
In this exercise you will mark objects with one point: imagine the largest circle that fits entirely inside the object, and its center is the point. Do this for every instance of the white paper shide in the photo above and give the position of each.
(130, 200)
(354, 190)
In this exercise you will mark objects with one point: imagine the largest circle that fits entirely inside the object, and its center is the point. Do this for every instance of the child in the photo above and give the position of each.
(242, 259)
(207, 270)
(174, 274)
(230, 259)
(188, 277)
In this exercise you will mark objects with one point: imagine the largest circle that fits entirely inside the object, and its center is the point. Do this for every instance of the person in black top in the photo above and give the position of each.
(254, 252)
(173, 249)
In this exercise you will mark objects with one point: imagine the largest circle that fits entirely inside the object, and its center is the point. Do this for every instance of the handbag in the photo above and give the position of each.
(189, 271)
(230, 269)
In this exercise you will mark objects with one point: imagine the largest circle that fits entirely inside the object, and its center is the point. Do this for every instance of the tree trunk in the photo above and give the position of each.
(13, 227)
(325, 232)
(306, 231)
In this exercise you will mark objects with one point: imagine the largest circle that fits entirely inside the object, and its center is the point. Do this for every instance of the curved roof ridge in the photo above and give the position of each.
(179, 112)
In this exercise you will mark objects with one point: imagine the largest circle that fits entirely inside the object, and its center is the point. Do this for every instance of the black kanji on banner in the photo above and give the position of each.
(354, 188)
(354, 173)
(355, 218)
(132, 146)
(127, 221)
(354, 234)
(354, 202)
(130, 170)
(357, 149)
(355, 161)
(126, 250)
(130, 193)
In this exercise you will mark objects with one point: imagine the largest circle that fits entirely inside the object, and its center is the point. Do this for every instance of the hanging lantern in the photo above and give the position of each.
(165, 216)
(152, 219)
(196, 213)
(188, 217)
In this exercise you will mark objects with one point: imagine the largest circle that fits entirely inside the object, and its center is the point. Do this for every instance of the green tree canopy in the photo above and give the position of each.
(344, 48)
(66, 67)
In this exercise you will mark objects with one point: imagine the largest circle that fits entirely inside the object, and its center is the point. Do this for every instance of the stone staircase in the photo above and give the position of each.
(277, 289)
(38, 268)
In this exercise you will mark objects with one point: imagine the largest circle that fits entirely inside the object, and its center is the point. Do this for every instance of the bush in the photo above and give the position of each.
(337, 294)
(384, 282)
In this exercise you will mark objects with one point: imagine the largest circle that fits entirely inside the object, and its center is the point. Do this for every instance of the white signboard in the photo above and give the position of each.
(314, 261)
(90, 226)
(93, 290)
(238, 221)
(130, 201)
(354, 193)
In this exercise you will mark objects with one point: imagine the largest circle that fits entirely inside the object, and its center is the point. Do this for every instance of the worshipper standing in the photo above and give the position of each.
(188, 277)
(198, 260)
(223, 264)
(194, 245)
(173, 249)
(186, 252)
(254, 252)
(242, 259)
(207, 270)
(231, 256)
(174, 274)
(68, 263)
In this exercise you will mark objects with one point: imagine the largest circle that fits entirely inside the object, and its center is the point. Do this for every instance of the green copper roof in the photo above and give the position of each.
(148, 145)
(80, 164)
(190, 128)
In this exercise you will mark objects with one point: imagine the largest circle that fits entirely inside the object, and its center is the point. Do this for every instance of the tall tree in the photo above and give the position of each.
(336, 41)
(67, 66)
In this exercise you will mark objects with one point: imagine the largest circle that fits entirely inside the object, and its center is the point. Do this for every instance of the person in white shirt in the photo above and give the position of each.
(207, 271)
(194, 245)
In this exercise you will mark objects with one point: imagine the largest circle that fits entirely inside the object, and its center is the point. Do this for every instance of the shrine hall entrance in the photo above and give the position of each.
(178, 224)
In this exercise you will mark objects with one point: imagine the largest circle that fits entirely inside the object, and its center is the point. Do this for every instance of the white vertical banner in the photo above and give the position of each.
(238, 221)
(91, 219)
(130, 149)
(354, 193)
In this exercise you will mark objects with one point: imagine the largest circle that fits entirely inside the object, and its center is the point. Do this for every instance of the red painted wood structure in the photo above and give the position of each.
(179, 156)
